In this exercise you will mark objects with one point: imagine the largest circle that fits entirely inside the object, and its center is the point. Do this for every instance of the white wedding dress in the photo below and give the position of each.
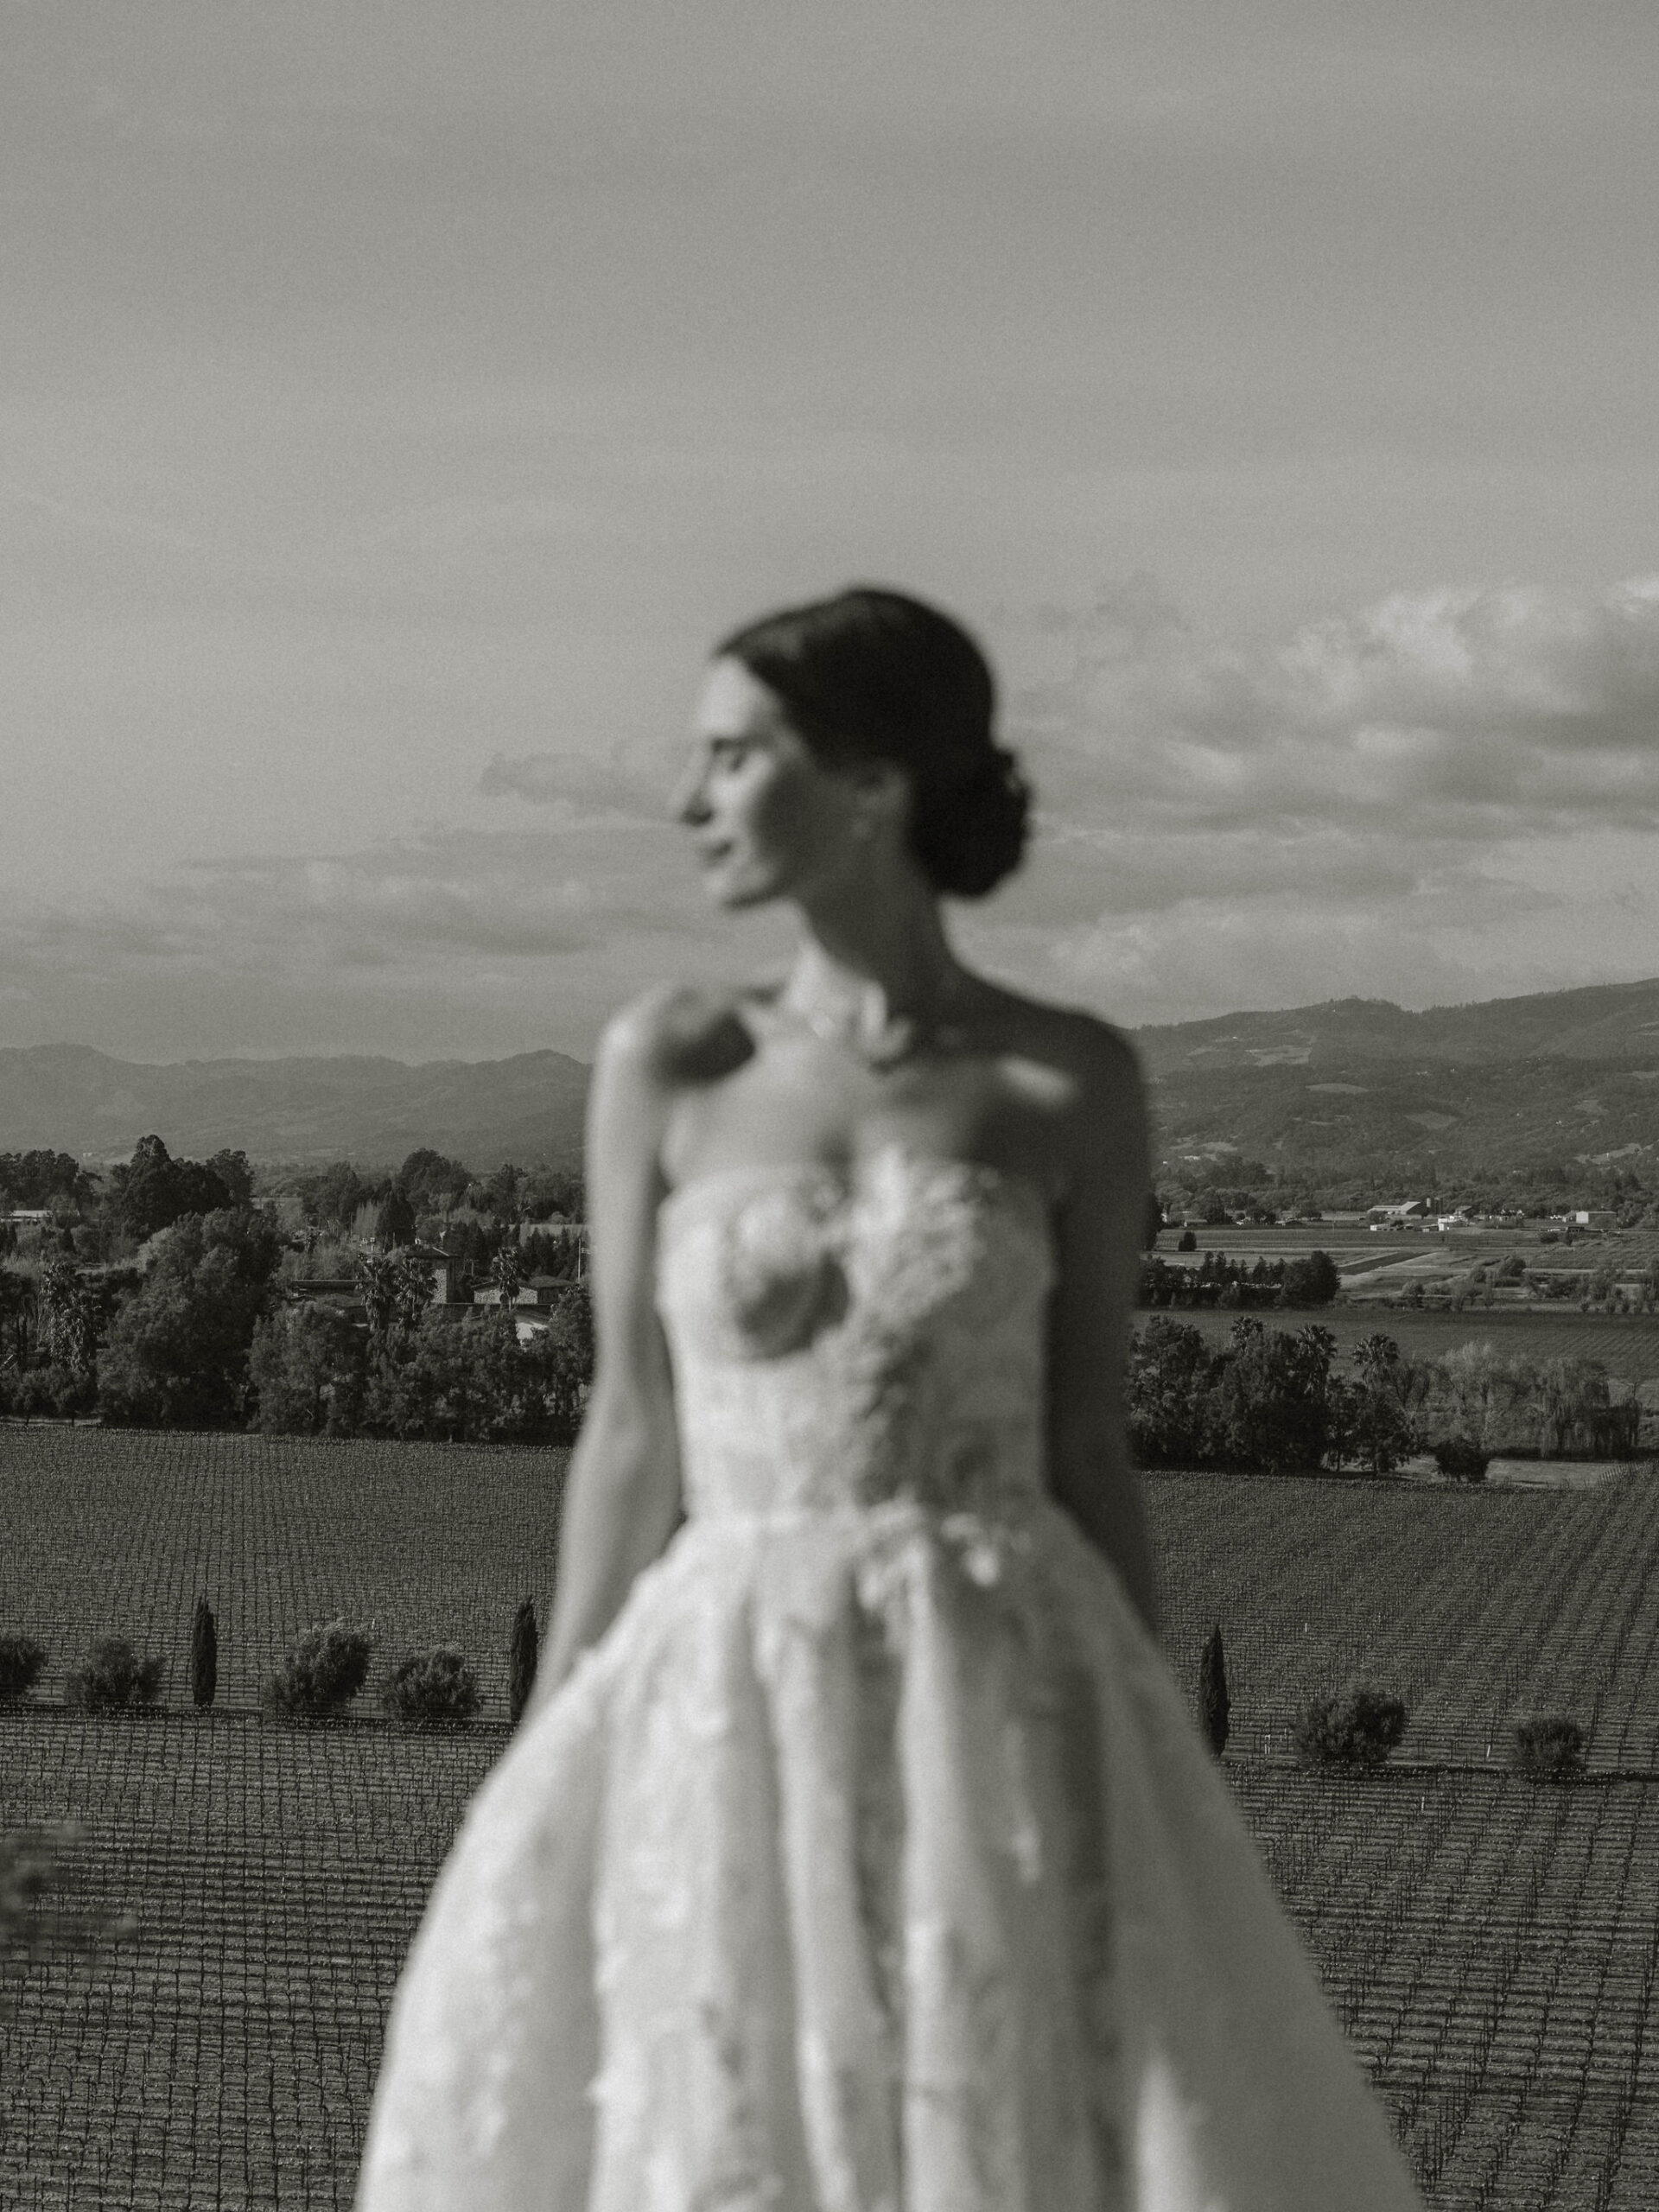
(871, 1862)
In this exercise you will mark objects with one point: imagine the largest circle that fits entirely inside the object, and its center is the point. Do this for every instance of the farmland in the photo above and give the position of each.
(1490, 1943)
(1627, 1344)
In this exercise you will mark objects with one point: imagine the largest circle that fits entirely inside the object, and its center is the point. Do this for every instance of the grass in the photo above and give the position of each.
(1490, 1941)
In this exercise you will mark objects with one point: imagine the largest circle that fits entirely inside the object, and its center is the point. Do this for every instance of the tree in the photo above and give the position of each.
(431, 1183)
(154, 1190)
(1214, 1703)
(306, 1365)
(177, 1354)
(1476, 1385)
(1271, 1406)
(233, 1173)
(39, 1177)
(331, 1198)
(204, 1654)
(1311, 1282)
(1154, 1221)
(1170, 1370)
(397, 1290)
(468, 1380)
(506, 1272)
(397, 1220)
(1378, 1427)
(500, 1193)
(524, 1653)
(67, 1317)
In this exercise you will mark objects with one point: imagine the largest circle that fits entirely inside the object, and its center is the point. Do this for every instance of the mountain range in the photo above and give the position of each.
(527, 1109)
(1563, 1075)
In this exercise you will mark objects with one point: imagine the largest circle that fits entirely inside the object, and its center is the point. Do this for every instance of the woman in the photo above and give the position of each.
(858, 1853)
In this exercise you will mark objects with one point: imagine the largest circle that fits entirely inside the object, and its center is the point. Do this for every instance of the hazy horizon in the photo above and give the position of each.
(475, 1059)
(394, 407)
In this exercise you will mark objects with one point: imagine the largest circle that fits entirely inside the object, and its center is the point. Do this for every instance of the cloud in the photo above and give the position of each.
(1448, 717)
(1442, 797)
(572, 782)
(458, 940)
(1420, 800)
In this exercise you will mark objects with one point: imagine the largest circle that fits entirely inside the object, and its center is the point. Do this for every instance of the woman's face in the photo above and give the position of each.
(770, 821)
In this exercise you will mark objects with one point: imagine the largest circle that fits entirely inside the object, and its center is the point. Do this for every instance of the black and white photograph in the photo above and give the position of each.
(829, 1106)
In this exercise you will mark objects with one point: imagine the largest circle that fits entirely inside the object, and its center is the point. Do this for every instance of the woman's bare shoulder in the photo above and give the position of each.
(675, 1034)
(1095, 1053)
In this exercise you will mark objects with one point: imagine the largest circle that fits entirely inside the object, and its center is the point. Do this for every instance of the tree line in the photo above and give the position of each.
(1311, 1279)
(1275, 1401)
(195, 1325)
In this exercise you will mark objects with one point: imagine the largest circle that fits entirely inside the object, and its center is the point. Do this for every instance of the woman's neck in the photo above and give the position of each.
(885, 958)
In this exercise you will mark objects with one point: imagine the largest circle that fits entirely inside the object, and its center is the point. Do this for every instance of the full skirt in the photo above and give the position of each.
(870, 1863)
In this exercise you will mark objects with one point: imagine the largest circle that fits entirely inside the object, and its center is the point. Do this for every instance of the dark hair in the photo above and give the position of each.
(874, 675)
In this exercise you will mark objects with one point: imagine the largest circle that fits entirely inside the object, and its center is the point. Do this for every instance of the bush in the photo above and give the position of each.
(321, 1674)
(20, 1662)
(1358, 1728)
(114, 1679)
(1549, 1747)
(1187, 1241)
(432, 1685)
(1462, 1457)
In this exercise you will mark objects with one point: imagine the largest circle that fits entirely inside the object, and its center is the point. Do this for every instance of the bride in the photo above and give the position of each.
(857, 1853)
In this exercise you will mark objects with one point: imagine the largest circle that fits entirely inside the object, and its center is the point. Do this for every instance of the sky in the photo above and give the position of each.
(397, 399)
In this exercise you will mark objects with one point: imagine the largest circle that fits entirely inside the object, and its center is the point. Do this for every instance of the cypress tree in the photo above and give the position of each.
(1214, 1703)
(526, 1647)
(204, 1654)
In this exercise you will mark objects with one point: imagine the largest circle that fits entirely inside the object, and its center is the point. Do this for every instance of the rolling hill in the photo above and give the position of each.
(1355, 1086)
(1564, 1081)
(527, 1109)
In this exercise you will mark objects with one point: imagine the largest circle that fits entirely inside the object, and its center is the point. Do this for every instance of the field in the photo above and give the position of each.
(1490, 1943)
(1627, 1344)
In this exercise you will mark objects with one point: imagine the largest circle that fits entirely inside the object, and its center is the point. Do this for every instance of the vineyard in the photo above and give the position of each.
(1473, 1607)
(112, 1532)
(1489, 1942)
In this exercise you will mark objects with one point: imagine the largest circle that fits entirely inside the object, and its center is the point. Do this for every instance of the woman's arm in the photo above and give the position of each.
(622, 1492)
(1099, 1228)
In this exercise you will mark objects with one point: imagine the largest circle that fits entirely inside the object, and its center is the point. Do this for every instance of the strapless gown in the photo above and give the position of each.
(871, 1862)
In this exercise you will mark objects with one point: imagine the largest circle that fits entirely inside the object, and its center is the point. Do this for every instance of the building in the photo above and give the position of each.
(1408, 1213)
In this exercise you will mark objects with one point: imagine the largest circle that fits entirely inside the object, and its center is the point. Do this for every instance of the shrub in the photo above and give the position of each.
(432, 1685)
(525, 1652)
(1358, 1727)
(322, 1672)
(20, 1662)
(1187, 1241)
(204, 1654)
(114, 1678)
(1462, 1457)
(1214, 1703)
(1549, 1747)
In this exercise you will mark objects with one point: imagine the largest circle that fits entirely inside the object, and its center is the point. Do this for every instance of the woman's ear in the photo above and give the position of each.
(881, 789)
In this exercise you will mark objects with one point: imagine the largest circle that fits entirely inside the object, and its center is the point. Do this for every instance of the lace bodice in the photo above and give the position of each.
(845, 1339)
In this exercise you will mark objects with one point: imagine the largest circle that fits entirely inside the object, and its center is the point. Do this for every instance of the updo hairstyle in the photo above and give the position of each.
(874, 675)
